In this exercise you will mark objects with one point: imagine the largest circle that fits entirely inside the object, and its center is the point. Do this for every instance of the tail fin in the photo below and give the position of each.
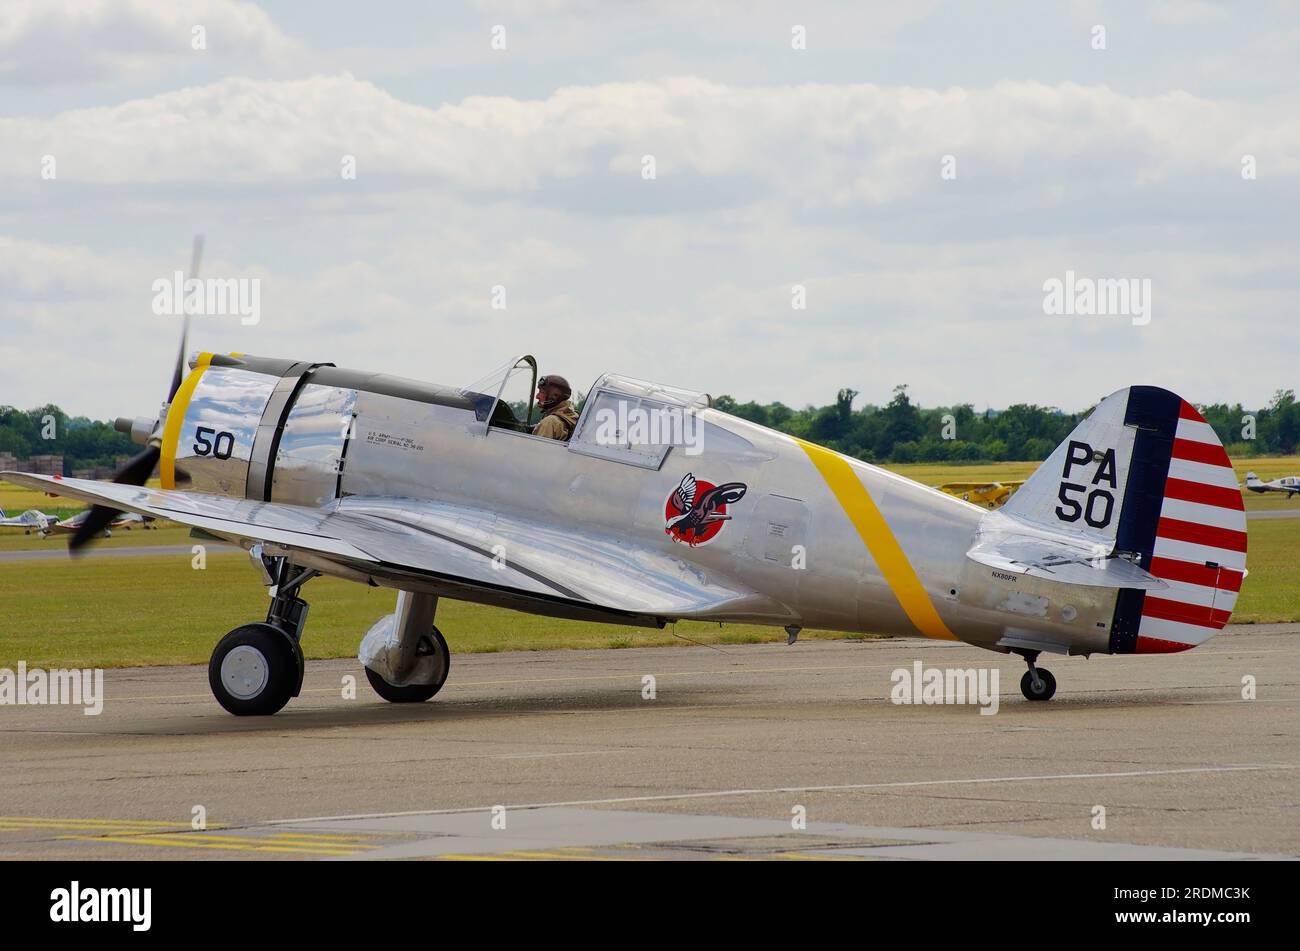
(1146, 479)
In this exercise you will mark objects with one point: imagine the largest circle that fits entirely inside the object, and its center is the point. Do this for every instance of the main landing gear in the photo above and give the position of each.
(257, 668)
(1038, 682)
(405, 655)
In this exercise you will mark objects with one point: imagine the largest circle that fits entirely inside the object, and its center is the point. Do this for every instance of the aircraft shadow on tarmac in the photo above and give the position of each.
(1014, 712)
(360, 713)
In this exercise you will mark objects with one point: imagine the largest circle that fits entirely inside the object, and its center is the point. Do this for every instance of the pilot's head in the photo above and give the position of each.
(552, 389)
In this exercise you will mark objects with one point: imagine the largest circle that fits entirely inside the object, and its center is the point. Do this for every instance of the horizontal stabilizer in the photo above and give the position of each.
(1003, 547)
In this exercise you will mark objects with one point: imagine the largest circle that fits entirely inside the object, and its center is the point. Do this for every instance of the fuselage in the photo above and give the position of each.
(1289, 484)
(833, 543)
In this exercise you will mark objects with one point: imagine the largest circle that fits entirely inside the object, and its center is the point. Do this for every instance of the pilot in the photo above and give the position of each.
(558, 415)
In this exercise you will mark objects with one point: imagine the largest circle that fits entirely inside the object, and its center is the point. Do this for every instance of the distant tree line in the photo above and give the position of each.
(82, 442)
(901, 431)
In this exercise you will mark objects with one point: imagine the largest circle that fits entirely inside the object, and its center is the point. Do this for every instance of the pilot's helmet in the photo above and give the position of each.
(557, 382)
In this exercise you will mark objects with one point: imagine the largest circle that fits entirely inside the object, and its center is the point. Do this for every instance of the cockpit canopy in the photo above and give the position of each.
(504, 395)
(636, 422)
(623, 419)
(658, 392)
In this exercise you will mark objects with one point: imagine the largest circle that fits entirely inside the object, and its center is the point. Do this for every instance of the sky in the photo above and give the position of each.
(768, 200)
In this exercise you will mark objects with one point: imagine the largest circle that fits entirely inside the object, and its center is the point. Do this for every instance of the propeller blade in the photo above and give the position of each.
(139, 467)
(135, 472)
(196, 257)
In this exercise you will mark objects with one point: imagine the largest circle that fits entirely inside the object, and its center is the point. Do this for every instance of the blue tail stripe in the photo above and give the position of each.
(1154, 412)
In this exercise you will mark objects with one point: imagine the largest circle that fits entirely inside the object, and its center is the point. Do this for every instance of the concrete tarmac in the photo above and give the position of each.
(755, 751)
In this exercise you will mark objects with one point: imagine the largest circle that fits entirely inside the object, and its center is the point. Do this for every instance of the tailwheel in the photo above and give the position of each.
(434, 663)
(254, 670)
(1038, 684)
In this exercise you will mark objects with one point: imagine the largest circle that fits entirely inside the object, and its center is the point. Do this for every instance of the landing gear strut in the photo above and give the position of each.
(1038, 682)
(405, 656)
(257, 668)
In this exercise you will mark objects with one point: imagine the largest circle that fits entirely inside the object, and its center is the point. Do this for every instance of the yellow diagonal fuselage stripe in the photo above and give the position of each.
(880, 541)
(176, 417)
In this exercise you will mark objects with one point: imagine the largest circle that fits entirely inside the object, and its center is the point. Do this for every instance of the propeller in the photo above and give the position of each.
(196, 255)
(140, 466)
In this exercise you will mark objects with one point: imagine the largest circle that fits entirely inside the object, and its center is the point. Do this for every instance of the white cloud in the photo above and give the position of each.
(697, 302)
(48, 42)
(793, 170)
(402, 312)
(1184, 12)
(821, 146)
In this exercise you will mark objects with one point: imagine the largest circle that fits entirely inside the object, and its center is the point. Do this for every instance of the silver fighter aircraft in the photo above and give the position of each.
(1130, 538)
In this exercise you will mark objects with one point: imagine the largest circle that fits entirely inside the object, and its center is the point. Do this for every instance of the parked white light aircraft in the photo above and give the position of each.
(120, 520)
(1130, 538)
(30, 521)
(1288, 484)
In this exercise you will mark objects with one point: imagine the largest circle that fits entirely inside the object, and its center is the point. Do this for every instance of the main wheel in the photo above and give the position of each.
(253, 671)
(1046, 688)
(433, 646)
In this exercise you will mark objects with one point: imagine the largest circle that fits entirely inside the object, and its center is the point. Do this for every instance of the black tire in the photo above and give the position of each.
(259, 680)
(416, 693)
(1048, 688)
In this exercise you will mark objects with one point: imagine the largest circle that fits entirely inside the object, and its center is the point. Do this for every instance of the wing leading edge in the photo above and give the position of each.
(477, 555)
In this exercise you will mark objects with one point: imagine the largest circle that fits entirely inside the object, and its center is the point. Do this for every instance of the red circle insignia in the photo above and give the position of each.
(696, 510)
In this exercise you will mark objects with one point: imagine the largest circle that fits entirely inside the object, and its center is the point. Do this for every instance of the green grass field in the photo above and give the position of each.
(151, 609)
(148, 610)
(167, 533)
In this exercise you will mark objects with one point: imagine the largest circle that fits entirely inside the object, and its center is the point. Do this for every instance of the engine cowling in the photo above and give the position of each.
(257, 428)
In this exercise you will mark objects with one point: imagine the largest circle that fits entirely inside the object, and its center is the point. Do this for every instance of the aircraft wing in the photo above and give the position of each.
(472, 554)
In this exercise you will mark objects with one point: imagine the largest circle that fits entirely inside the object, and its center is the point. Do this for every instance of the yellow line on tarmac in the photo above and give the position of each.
(875, 533)
(453, 857)
(108, 825)
(198, 844)
(330, 838)
(124, 830)
(810, 857)
(561, 857)
(259, 840)
(124, 822)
